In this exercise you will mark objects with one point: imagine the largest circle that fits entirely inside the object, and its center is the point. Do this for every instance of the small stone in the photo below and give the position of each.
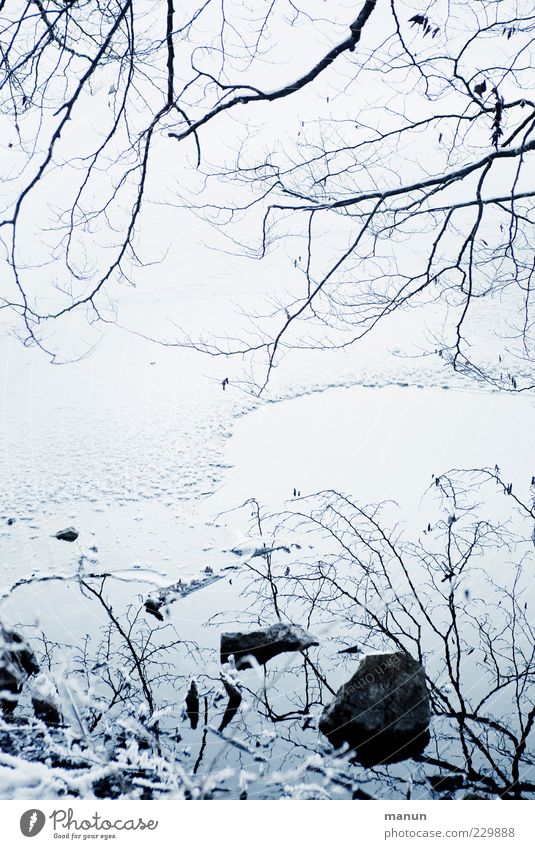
(153, 606)
(234, 702)
(192, 705)
(264, 644)
(67, 534)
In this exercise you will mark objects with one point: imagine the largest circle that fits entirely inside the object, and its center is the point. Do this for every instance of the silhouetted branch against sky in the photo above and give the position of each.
(382, 154)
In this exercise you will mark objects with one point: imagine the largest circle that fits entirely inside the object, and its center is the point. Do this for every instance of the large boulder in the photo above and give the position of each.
(382, 712)
(264, 644)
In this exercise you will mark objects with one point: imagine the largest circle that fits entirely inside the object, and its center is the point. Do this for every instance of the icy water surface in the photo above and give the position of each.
(128, 445)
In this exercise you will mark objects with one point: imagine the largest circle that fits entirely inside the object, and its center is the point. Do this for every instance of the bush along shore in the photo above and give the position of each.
(361, 665)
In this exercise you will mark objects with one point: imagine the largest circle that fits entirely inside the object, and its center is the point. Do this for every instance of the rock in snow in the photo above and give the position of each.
(192, 704)
(153, 606)
(47, 712)
(234, 702)
(67, 534)
(167, 595)
(17, 662)
(264, 644)
(383, 711)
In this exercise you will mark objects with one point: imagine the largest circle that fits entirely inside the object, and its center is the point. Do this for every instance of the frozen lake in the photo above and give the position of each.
(139, 448)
